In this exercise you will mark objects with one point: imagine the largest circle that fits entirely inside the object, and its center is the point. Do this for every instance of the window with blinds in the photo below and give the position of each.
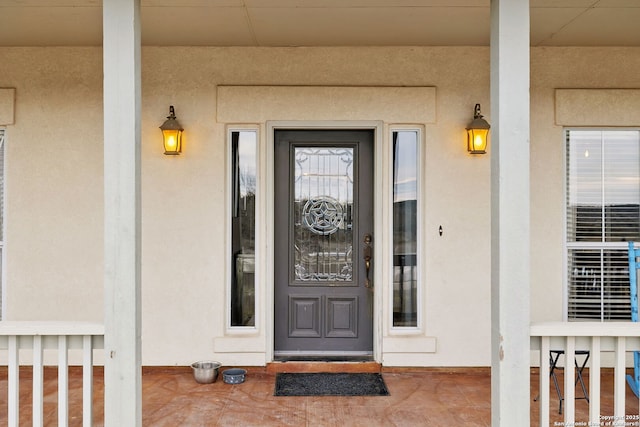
(1, 217)
(603, 198)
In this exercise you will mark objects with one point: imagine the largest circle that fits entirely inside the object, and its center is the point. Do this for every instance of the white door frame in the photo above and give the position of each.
(267, 153)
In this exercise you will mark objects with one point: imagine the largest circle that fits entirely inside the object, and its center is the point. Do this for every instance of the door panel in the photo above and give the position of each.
(323, 210)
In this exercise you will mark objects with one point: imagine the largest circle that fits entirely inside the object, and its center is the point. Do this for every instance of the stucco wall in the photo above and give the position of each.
(553, 68)
(53, 184)
(54, 207)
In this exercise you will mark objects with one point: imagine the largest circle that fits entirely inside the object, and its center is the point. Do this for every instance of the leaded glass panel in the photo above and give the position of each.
(322, 214)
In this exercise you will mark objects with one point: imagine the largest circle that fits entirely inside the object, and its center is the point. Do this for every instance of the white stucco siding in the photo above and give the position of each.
(553, 68)
(54, 213)
(54, 184)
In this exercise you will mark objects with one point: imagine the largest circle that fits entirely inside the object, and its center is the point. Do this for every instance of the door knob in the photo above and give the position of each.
(367, 251)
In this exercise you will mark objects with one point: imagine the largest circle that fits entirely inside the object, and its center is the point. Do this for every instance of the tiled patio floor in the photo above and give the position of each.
(418, 397)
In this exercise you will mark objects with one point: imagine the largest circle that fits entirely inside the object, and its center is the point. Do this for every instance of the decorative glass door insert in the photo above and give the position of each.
(323, 213)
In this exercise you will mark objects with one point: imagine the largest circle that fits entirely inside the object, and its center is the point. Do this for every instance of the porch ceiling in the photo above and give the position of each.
(319, 22)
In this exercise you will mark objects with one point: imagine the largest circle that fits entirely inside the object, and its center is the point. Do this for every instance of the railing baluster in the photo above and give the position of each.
(38, 382)
(619, 382)
(87, 381)
(17, 337)
(594, 382)
(544, 381)
(617, 339)
(14, 382)
(569, 382)
(63, 381)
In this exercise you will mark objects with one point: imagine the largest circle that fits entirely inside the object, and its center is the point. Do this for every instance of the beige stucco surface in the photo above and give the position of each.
(597, 107)
(413, 104)
(7, 102)
(54, 205)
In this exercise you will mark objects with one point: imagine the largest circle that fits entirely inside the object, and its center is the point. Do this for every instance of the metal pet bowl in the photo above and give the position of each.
(234, 376)
(205, 372)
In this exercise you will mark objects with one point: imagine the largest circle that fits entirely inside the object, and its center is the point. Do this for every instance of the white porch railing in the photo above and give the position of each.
(18, 338)
(617, 338)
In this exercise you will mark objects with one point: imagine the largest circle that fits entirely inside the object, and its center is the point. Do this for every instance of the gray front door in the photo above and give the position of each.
(323, 225)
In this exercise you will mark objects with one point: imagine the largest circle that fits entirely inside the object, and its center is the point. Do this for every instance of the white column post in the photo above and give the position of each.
(122, 93)
(509, 117)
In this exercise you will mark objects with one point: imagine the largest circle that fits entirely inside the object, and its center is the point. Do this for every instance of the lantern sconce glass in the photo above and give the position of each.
(172, 134)
(477, 133)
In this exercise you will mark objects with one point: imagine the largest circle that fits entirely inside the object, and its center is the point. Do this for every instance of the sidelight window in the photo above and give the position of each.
(243, 226)
(406, 289)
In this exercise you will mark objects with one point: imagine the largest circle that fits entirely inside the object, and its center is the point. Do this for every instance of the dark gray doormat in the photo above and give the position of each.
(330, 384)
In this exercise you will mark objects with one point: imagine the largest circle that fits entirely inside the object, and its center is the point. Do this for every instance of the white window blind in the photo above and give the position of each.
(1, 216)
(603, 198)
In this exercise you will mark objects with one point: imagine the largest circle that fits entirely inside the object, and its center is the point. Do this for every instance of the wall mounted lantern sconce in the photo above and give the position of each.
(477, 133)
(172, 134)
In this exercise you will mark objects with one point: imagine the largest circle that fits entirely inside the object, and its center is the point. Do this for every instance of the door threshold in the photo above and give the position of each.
(309, 366)
(322, 356)
(327, 357)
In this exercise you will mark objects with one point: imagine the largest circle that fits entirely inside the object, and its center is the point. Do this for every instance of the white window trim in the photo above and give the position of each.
(419, 328)
(582, 245)
(259, 299)
(267, 150)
